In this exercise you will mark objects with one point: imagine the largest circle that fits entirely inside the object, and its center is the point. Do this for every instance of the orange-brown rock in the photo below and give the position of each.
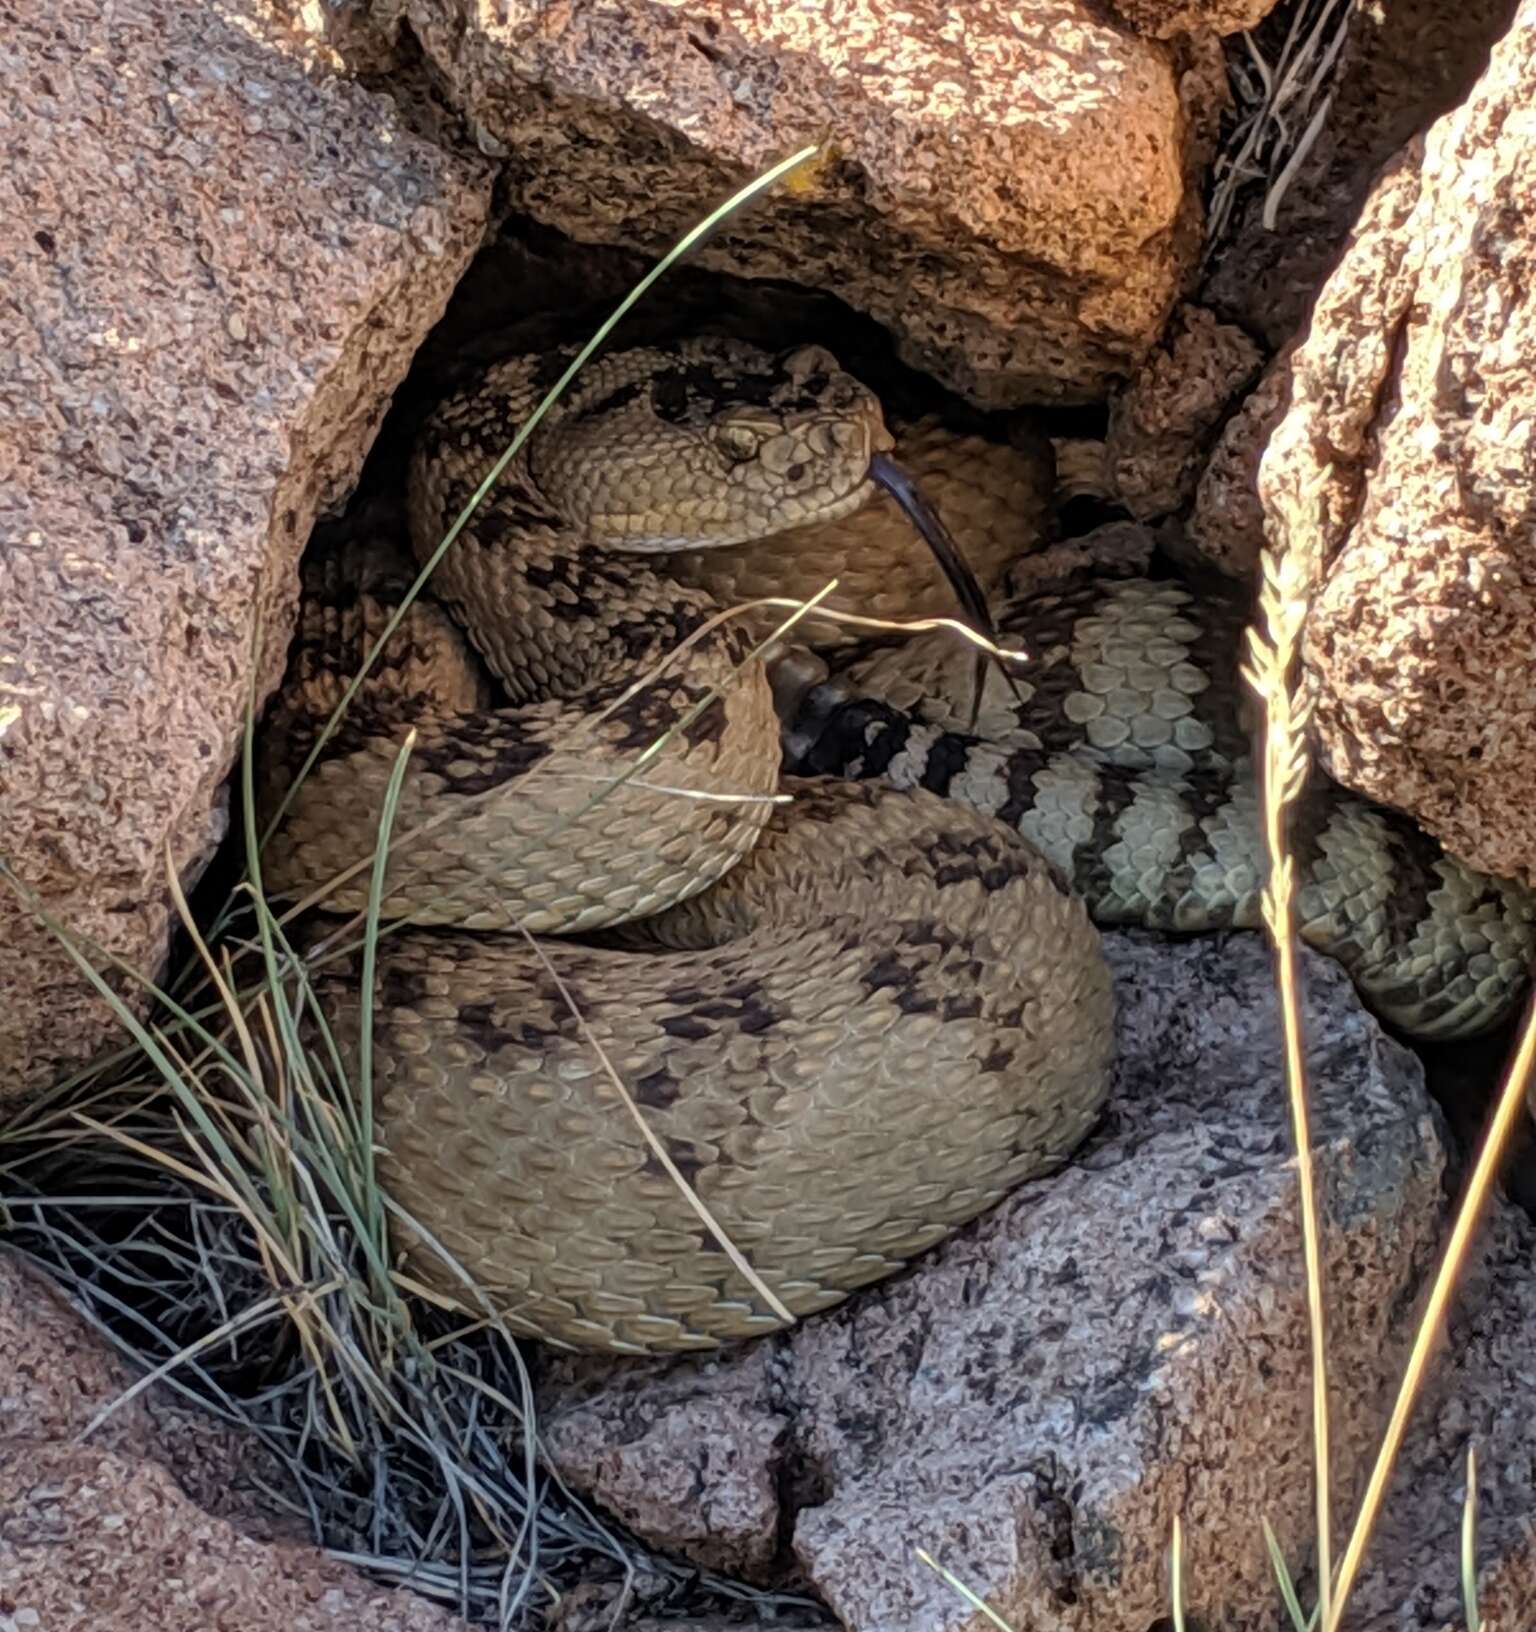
(1162, 424)
(218, 265)
(1226, 524)
(1400, 67)
(1162, 19)
(1413, 390)
(1008, 188)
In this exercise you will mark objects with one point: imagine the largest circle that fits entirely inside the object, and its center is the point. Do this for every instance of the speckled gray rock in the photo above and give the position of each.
(154, 1520)
(1413, 389)
(218, 265)
(1122, 1342)
(1162, 424)
(601, 1607)
(722, 1495)
(1008, 192)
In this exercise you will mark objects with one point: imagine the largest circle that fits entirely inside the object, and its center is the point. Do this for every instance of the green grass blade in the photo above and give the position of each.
(252, 842)
(169, 1069)
(371, 963)
(1176, 1574)
(1283, 1579)
(186, 1019)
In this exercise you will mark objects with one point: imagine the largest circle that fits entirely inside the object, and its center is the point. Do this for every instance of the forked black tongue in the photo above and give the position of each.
(956, 569)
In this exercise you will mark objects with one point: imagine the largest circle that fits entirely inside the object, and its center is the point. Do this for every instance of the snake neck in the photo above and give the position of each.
(560, 619)
(1123, 739)
(1125, 762)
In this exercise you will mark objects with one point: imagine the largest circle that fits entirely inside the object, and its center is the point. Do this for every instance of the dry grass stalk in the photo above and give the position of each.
(1281, 108)
(1272, 651)
(1469, 1214)
(1290, 568)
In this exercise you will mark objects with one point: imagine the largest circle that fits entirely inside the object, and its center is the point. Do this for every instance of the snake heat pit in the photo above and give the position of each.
(855, 1018)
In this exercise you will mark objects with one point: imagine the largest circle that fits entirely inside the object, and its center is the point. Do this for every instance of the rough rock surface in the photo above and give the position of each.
(721, 1499)
(1400, 68)
(1162, 424)
(216, 268)
(93, 1539)
(1007, 190)
(129, 1528)
(1226, 523)
(1413, 389)
(610, 1607)
(1162, 19)
(1402, 65)
(1113, 1345)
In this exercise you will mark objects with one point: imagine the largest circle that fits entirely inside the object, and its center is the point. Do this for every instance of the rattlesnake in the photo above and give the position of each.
(851, 1021)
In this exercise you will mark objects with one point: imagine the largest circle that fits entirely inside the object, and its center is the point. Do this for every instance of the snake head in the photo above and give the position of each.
(714, 442)
(711, 442)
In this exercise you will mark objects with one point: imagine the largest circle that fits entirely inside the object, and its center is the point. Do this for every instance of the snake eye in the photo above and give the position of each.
(738, 442)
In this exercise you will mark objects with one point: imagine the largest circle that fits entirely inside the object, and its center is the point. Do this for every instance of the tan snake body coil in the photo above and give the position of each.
(852, 1021)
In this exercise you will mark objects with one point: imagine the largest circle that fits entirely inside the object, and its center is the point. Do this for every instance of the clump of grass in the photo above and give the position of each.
(233, 1241)
(215, 1213)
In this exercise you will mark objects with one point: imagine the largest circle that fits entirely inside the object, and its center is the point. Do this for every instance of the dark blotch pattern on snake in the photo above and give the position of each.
(850, 1021)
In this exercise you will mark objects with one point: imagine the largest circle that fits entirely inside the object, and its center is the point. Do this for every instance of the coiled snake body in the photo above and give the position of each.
(849, 1022)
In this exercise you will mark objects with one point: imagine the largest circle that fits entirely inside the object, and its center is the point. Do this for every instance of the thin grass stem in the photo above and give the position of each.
(1176, 1574)
(980, 1605)
(1469, 1546)
(658, 1148)
(1272, 654)
(1288, 1594)
(1485, 1171)
(364, 1097)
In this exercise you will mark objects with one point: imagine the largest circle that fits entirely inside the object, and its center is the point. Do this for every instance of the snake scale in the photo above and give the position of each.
(851, 1008)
